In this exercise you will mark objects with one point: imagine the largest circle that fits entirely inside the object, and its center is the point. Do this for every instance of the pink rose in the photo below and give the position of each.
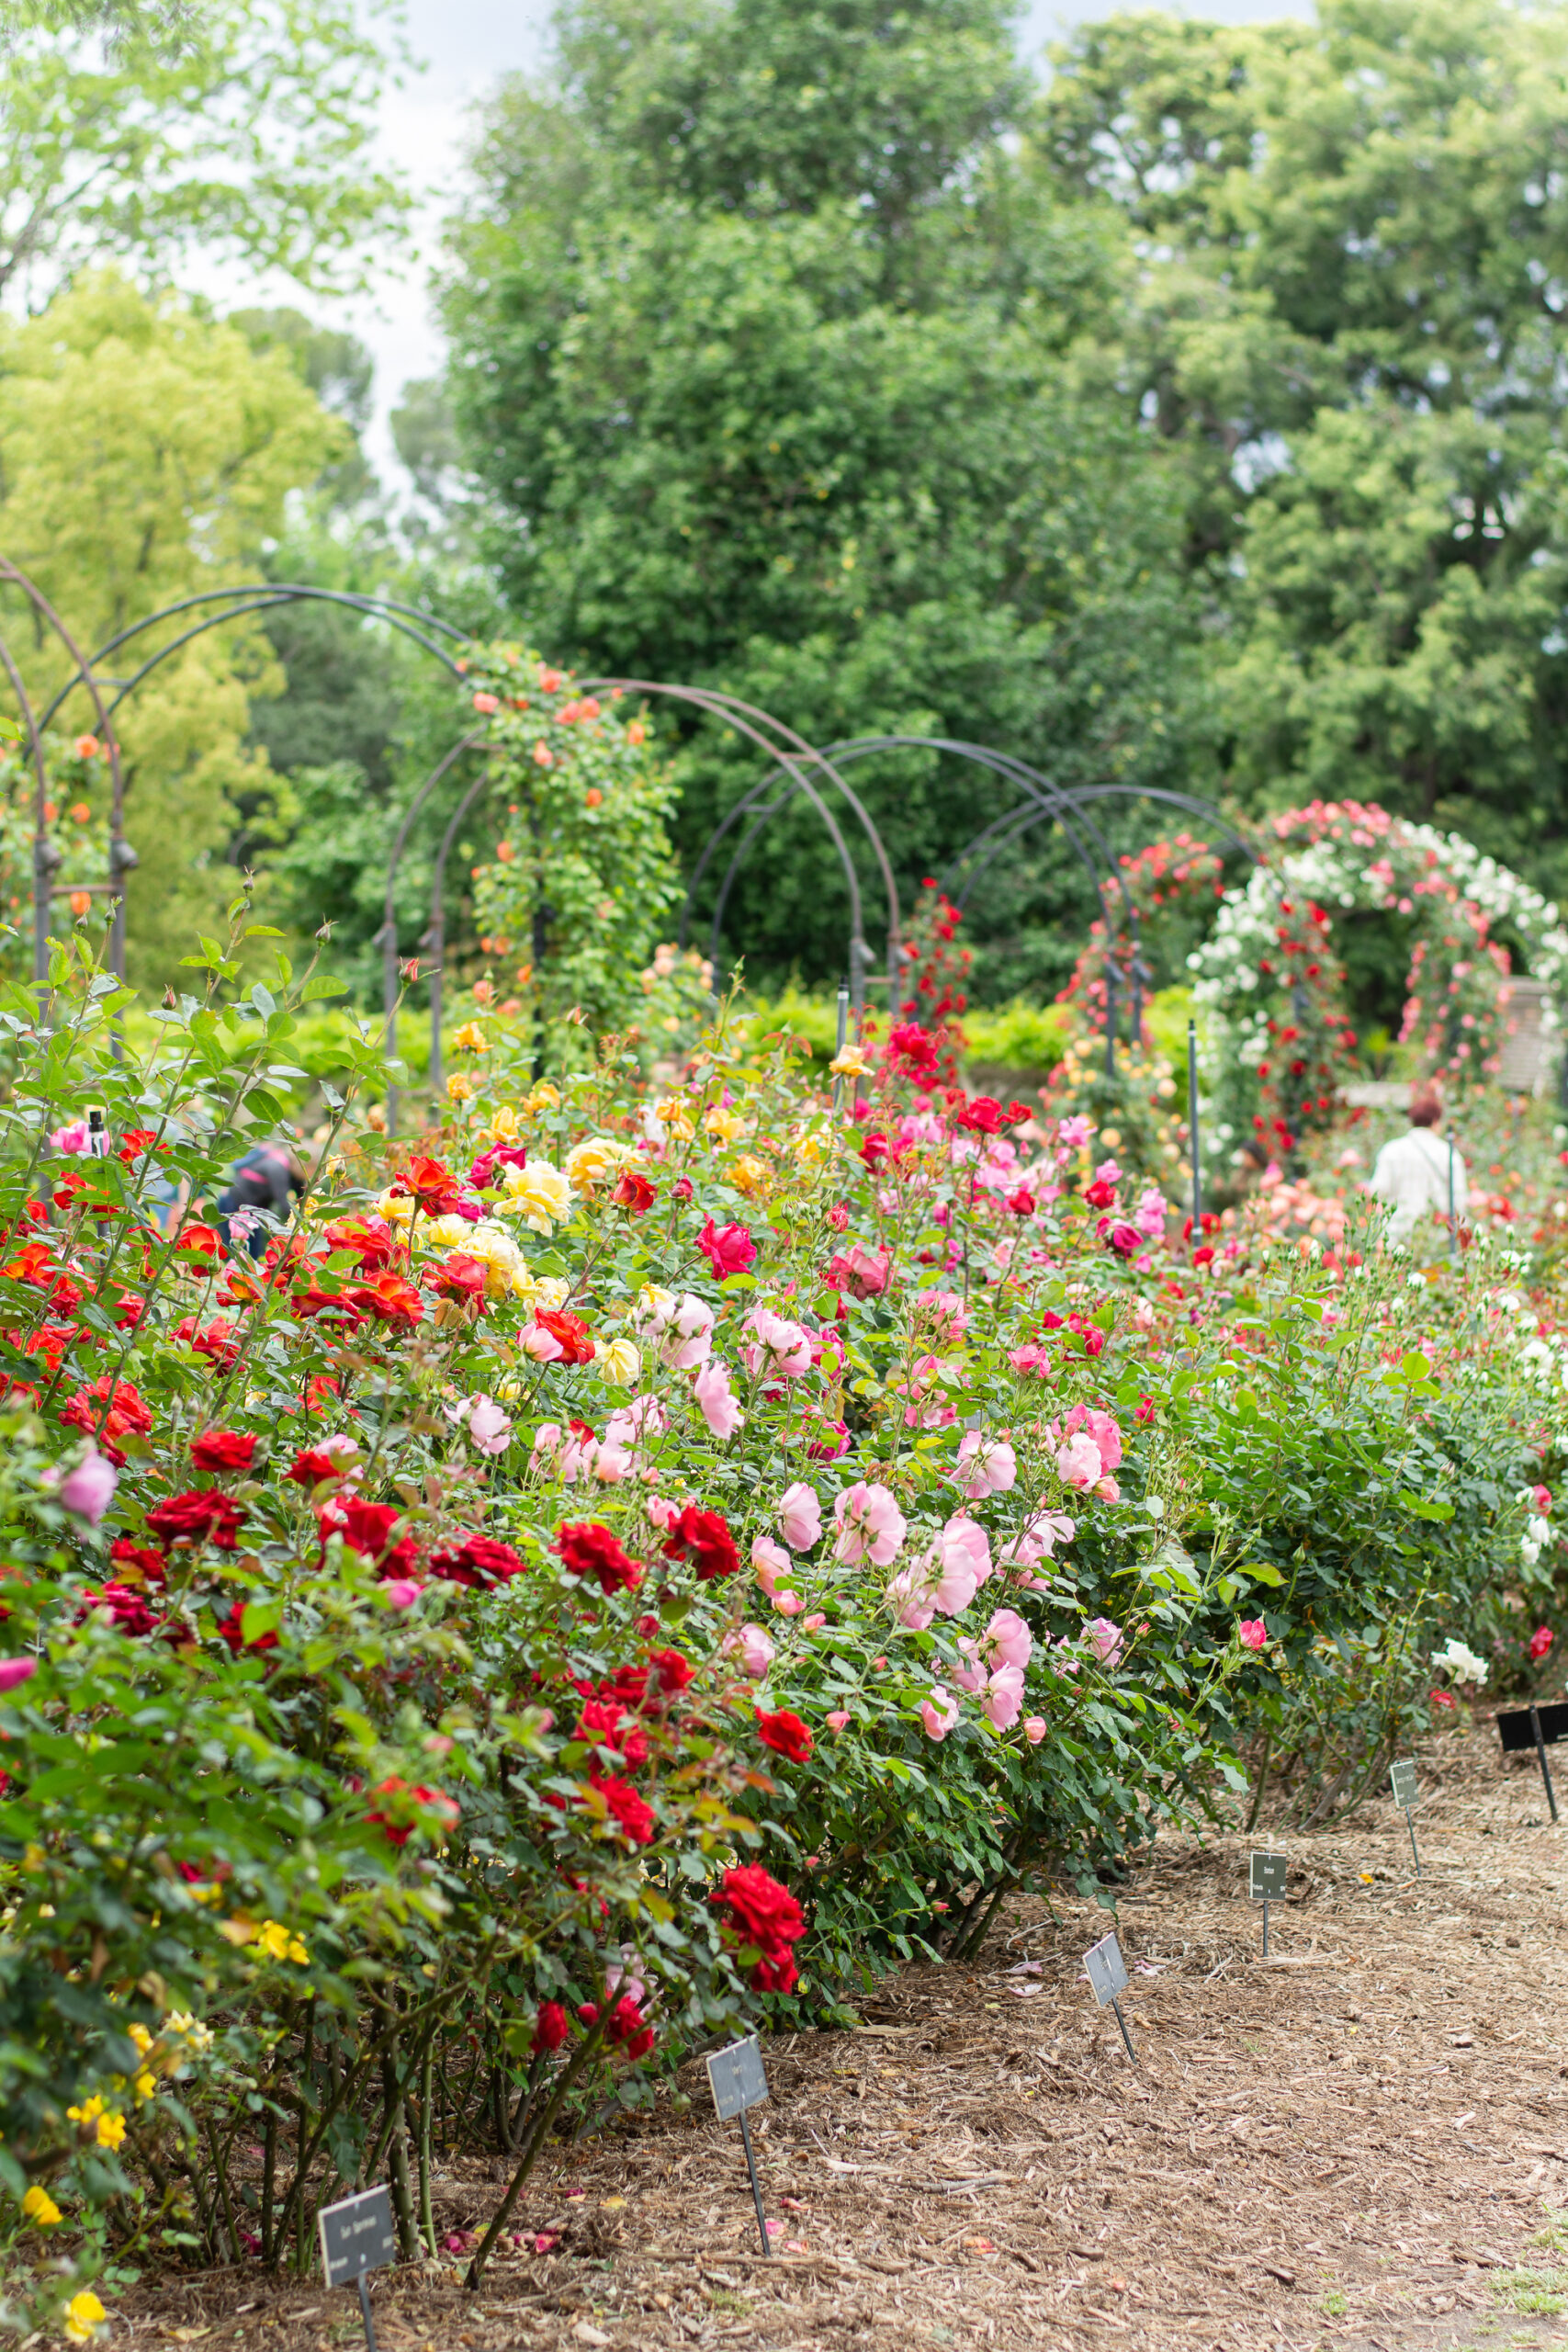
(690, 1335)
(728, 1249)
(89, 1488)
(1034, 1729)
(962, 1558)
(1074, 1132)
(972, 1674)
(863, 1272)
(755, 1649)
(788, 1603)
(1151, 1214)
(871, 1525)
(15, 1671)
(1003, 1702)
(1104, 1640)
(910, 1594)
(838, 1719)
(399, 1592)
(1078, 1464)
(769, 1562)
(1253, 1632)
(985, 1466)
(720, 1407)
(800, 1517)
(810, 1625)
(1009, 1639)
(1541, 1496)
(939, 1713)
(781, 1348)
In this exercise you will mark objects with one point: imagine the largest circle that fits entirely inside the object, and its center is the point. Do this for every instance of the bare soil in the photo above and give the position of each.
(1361, 2141)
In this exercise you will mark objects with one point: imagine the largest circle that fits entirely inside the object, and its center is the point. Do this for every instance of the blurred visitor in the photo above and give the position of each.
(262, 1192)
(1414, 1173)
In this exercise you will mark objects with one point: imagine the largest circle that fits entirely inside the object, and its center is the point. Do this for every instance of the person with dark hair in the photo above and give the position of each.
(270, 1177)
(1421, 1171)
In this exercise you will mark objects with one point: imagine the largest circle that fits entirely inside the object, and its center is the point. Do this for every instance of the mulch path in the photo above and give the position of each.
(1362, 2141)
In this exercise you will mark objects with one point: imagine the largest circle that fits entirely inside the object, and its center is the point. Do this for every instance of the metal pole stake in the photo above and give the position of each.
(365, 2312)
(1265, 1927)
(756, 2184)
(1125, 2035)
(1541, 1752)
(1410, 1825)
(1192, 1125)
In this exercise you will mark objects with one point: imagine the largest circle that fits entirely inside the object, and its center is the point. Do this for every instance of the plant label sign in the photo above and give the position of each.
(357, 2236)
(738, 2081)
(1537, 1727)
(1107, 1972)
(1266, 1882)
(1402, 1780)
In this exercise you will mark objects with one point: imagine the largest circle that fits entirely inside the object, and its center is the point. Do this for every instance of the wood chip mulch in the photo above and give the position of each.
(1362, 2141)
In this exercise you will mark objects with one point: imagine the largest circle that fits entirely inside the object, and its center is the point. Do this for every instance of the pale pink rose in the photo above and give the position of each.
(1104, 1639)
(1107, 1435)
(644, 1417)
(611, 1464)
(1008, 1639)
(780, 1350)
(663, 1510)
(542, 1345)
(1254, 1633)
(946, 1310)
(15, 1671)
(871, 1525)
(939, 1713)
(1108, 1173)
(809, 1624)
(838, 1719)
(910, 1594)
(800, 1517)
(770, 1561)
(788, 1603)
(578, 1457)
(961, 1557)
(720, 1409)
(1108, 1490)
(1003, 1702)
(1150, 1215)
(1034, 1729)
(1078, 1464)
(1074, 1132)
(399, 1592)
(89, 1488)
(1032, 1357)
(985, 1466)
(548, 1440)
(690, 1335)
(753, 1648)
(490, 1428)
(971, 1674)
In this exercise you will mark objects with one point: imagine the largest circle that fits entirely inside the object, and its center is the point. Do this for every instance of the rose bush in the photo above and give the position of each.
(639, 1553)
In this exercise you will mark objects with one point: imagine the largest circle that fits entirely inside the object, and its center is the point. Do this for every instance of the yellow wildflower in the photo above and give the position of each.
(39, 2207)
(617, 1360)
(145, 2085)
(724, 1126)
(83, 2314)
(110, 2127)
(470, 1039)
(139, 2035)
(458, 1087)
(280, 1942)
(749, 1174)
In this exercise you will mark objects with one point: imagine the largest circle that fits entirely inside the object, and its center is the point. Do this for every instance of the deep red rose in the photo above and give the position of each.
(634, 1193)
(1099, 1194)
(728, 1249)
(233, 1632)
(916, 1048)
(551, 2028)
(1022, 1203)
(127, 1608)
(482, 1175)
(981, 1117)
(674, 1671)
(400, 1817)
(136, 1563)
(589, 1550)
(367, 1528)
(371, 1239)
(785, 1733)
(1204, 1256)
(681, 1188)
(202, 1516)
(220, 1450)
(766, 1915)
(457, 1276)
(628, 2028)
(388, 1297)
(632, 1815)
(569, 1333)
(312, 1464)
(479, 1562)
(703, 1538)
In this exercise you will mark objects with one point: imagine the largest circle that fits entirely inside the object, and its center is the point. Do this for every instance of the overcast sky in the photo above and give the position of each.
(464, 45)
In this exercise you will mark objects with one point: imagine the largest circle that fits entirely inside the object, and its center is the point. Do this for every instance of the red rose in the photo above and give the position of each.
(982, 1117)
(1146, 1409)
(127, 1608)
(764, 1915)
(786, 1733)
(600, 1724)
(703, 1538)
(865, 1274)
(371, 1239)
(136, 1563)
(627, 2027)
(367, 1528)
(400, 1816)
(728, 1249)
(1540, 1641)
(551, 2028)
(916, 1048)
(126, 1415)
(457, 1277)
(388, 1297)
(1126, 1240)
(875, 1149)
(311, 1465)
(627, 1810)
(1099, 1194)
(232, 1631)
(217, 1342)
(674, 1671)
(1204, 1256)
(482, 1175)
(634, 1193)
(479, 1562)
(204, 1240)
(134, 1142)
(220, 1450)
(569, 1333)
(590, 1550)
(1022, 1203)
(202, 1516)
(434, 1188)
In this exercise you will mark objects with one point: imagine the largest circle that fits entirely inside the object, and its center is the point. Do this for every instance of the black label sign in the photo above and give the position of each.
(356, 2235)
(1266, 1879)
(1515, 1730)
(736, 2078)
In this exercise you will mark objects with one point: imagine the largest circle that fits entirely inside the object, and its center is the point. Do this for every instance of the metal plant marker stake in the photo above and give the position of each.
(357, 2236)
(1402, 1780)
(1193, 1127)
(1265, 1884)
(737, 2080)
(1453, 1221)
(843, 1033)
(1107, 1974)
(1538, 1727)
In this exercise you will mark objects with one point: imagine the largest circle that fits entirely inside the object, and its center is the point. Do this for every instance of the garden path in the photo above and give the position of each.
(1362, 2143)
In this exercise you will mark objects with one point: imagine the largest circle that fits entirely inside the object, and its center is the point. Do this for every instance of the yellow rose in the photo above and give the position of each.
(503, 1126)
(538, 1192)
(597, 1157)
(83, 2314)
(617, 1360)
(458, 1088)
(470, 1039)
(542, 1097)
(749, 1174)
(39, 2207)
(724, 1126)
(396, 1207)
(851, 1063)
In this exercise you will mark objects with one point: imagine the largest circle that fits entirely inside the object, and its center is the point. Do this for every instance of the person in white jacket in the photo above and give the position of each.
(1415, 1172)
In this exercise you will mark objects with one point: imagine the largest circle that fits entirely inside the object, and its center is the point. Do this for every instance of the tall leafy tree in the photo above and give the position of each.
(1351, 323)
(767, 353)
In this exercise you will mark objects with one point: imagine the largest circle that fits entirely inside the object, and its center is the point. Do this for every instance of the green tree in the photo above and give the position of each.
(1351, 326)
(766, 353)
(136, 133)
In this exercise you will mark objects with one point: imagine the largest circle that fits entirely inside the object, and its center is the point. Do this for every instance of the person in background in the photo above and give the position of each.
(269, 1178)
(1414, 1172)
